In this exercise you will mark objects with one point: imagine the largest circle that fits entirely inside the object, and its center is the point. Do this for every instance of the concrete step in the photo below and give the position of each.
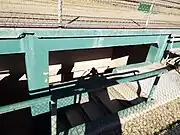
(114, 94)
(74, 116)
(112, 105)
(92, 110)
(127, 91)
(100, 104)
(117, 95)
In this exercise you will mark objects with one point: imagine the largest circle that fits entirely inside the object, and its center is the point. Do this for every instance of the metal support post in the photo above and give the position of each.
(53, 116)
(37, 61)
(150, 12)
(162, 45)
(60, 12)
(156, 53)
(151, 93)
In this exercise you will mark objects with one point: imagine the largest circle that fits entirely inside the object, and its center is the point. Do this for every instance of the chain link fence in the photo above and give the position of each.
(28, 13)
(90, 13)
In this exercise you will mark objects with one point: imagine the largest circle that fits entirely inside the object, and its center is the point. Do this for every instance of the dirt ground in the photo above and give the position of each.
(162, 120)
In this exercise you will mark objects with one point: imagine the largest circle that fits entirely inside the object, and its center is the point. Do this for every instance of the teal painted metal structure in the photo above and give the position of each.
(37, 43)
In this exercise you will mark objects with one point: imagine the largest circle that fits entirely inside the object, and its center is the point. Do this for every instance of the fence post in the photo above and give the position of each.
(151, 93)
(60, 12)
(53, 116)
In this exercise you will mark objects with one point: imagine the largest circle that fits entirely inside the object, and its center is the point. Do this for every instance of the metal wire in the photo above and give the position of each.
(28, 13)
(119, 14)
(88, 13)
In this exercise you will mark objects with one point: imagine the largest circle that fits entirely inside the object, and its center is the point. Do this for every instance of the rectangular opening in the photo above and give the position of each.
(13, 88)
(67, 65)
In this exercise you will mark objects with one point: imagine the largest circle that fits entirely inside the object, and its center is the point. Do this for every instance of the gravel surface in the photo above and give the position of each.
(156, 121)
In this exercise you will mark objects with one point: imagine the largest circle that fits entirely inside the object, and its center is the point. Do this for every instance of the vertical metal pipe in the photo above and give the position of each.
(53, 116)
(150, 11)
(60, 12)
(151, 93)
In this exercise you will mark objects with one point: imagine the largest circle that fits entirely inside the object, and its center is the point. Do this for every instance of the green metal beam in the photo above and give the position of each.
(10, 46)
(93, 42)
(156, 53)
(37, 62)
(14, 33)
(11, 43)
(162, 44)
(37, 51)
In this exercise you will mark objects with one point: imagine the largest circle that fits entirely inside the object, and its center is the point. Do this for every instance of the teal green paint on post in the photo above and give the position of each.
(156, 52)
(10, 46)
(37, 61)
(152, 53)
(162, 46)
